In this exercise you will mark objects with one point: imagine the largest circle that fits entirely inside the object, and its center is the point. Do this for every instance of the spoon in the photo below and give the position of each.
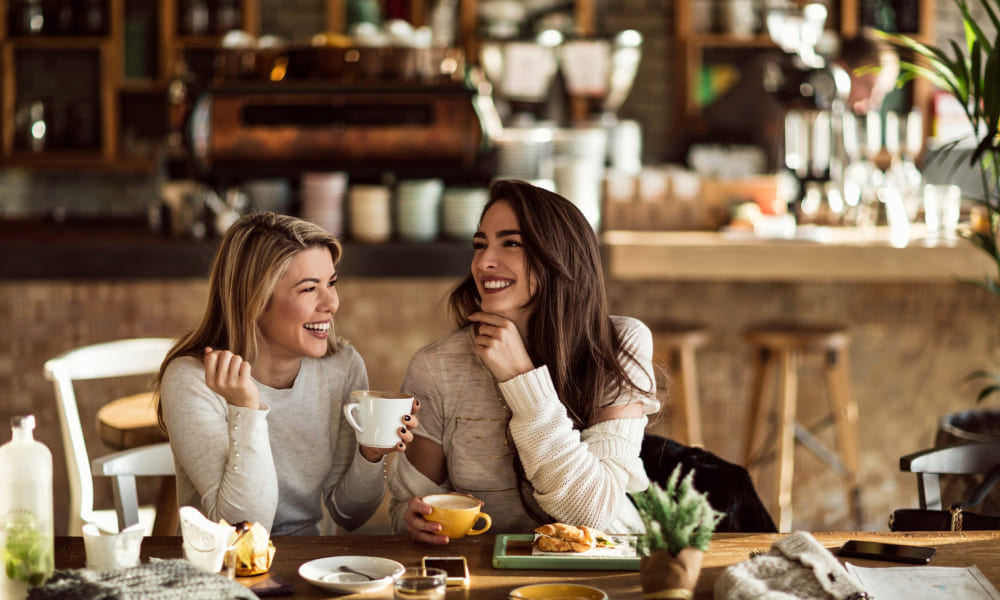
(348, 569)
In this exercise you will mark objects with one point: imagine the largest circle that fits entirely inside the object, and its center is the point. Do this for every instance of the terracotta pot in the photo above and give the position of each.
(664, 571)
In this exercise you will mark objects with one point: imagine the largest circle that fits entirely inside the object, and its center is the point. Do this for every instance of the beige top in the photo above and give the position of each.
(579, 477)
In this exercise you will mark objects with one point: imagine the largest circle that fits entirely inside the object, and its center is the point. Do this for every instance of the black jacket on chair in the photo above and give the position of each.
(729, 487)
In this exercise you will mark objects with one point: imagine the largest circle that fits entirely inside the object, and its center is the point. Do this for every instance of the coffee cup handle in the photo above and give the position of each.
(484, 528)
(349, 409)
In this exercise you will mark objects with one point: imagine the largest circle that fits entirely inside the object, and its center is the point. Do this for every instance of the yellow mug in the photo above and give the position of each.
(457, 514)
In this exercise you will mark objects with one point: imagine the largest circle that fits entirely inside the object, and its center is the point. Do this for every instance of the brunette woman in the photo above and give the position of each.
(537, 402)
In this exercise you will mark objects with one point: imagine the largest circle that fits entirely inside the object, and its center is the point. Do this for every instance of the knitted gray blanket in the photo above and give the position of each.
(156, 580)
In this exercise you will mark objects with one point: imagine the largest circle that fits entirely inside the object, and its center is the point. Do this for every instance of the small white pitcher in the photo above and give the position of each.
(205, 541)
(110, 551)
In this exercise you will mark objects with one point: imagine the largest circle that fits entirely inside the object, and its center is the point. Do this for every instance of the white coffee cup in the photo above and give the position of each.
(377, 416)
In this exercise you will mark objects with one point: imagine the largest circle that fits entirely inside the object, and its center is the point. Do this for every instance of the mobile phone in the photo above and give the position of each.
(918, 555)
(455, 566)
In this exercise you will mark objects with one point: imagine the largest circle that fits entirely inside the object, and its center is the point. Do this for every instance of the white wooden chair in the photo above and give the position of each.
(119, 358)
(123, 467)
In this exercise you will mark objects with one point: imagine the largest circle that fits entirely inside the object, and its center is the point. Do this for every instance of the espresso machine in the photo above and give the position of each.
(341, 104)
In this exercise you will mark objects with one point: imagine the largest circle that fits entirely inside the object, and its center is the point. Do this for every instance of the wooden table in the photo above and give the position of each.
(953, 550)
(130, 422)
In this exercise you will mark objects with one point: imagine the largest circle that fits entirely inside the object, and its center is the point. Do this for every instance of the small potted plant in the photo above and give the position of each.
(679, 523)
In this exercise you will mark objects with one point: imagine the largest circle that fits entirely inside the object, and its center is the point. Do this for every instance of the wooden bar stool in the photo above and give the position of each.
(674, 345)
(778, 349)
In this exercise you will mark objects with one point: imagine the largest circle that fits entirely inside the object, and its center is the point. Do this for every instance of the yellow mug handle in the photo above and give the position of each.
(483, 516)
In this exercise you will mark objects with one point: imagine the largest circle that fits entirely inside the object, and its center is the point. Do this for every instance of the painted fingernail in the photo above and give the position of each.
(407, 418)
(402, 429)
(417, 403)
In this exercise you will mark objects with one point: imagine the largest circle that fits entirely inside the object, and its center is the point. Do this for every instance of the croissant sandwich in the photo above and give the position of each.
(560, 537)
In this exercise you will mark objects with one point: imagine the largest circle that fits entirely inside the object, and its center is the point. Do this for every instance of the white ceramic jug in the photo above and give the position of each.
(110, 551)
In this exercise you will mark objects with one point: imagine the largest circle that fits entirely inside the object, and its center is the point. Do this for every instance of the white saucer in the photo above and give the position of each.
(325, 573)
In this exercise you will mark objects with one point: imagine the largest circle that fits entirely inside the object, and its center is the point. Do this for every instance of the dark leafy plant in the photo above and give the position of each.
(676, 516)
(972, 75)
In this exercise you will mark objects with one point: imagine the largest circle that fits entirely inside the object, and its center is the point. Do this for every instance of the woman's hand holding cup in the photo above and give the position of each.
(439, 518)
(382, 421)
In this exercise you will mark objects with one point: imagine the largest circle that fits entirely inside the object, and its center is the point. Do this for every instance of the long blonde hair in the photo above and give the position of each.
(252, 256)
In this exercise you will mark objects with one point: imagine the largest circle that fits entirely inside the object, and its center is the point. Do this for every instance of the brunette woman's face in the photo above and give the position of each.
(298, 318)
(500, 265)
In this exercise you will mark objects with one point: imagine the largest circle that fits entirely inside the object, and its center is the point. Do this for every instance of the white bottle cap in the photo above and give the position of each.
(23, 422)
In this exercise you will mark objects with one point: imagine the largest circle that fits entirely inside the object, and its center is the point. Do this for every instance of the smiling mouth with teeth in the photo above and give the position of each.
(495, 284)
(318, 327)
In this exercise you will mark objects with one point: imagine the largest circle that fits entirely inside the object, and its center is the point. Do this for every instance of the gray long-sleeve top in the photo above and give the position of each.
(278, 464)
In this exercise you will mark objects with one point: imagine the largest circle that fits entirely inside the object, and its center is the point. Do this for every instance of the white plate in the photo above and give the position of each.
(325, 573)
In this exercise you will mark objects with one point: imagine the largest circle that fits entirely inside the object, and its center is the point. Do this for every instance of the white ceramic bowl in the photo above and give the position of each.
(326, 573)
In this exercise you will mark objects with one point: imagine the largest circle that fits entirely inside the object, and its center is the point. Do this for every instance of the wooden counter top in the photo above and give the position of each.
(846, 254)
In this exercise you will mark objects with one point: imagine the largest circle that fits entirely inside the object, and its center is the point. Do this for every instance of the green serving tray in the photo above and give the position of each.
(513, 551)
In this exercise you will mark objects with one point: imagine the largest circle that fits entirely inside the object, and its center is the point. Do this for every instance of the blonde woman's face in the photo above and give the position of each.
(500, 265)
(299, 317)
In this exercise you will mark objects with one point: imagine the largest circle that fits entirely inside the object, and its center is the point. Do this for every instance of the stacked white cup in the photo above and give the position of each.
(418, 205)
(322, 197)
(579, 168)
(370, 214)
(461, 208)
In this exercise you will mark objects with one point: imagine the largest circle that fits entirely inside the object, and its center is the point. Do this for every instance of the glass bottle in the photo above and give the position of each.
(226, 16)
(29, 17)
(26, 529)
(31, 127)
(194, 18)
(92, 17)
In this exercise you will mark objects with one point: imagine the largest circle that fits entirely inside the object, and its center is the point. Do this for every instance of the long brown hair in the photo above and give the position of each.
(252, 256)
(569, 329)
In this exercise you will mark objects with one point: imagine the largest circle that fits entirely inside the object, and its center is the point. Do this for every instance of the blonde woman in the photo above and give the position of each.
(252, 398)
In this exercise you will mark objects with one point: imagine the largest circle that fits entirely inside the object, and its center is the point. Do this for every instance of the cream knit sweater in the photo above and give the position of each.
(579, 477)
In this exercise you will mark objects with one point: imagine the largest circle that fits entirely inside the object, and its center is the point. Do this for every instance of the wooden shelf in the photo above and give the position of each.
(142, 86)
(725, 40)
(52, 42)
(207, 42)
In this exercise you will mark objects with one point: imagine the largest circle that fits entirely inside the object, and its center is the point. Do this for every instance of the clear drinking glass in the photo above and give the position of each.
(420, 583)
(942, 206)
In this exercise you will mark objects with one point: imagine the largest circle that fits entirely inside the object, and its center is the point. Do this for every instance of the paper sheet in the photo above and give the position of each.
(924, 583)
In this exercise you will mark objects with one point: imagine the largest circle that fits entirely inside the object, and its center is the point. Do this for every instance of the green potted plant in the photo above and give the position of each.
(972, 75)
(679, 523)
